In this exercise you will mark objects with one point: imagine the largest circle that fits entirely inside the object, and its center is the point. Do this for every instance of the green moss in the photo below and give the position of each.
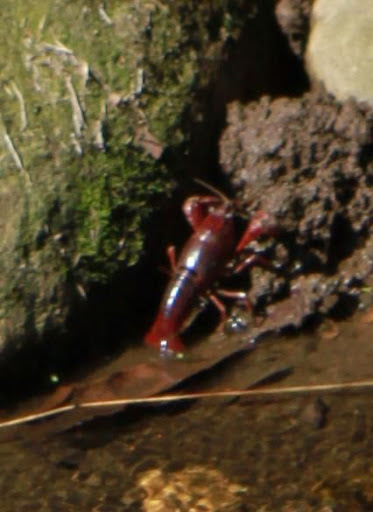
(115, 200)
(71, 81)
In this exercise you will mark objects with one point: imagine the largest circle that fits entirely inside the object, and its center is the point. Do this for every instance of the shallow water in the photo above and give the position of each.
(293, 452)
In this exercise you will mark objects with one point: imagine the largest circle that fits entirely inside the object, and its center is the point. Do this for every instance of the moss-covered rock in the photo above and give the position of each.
(91, 95)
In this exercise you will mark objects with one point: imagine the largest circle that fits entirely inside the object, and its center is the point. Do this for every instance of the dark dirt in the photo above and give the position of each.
(308, 162)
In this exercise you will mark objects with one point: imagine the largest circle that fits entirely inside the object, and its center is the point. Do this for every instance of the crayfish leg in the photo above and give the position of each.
(221, 308)
(251, 261)
(171, 253)
(238, 295)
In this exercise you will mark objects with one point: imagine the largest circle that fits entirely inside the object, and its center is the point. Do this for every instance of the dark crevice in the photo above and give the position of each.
(345, 306)
(238, 78)
(343, 242)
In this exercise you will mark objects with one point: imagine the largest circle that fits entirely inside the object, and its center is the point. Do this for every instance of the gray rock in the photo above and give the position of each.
(340, 48)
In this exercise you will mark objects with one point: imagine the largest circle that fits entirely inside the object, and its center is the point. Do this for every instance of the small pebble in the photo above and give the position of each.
(315, 413)
(367, 317)
(329, 330)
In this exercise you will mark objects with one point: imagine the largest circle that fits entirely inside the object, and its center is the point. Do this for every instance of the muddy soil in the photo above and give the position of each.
(307, 162)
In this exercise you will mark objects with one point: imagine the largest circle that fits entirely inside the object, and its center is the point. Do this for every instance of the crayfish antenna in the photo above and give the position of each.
(214, 190)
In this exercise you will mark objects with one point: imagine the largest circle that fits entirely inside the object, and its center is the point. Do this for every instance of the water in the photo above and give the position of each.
(294, 452)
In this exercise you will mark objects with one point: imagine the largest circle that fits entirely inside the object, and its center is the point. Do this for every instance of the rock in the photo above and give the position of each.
(315, 413)
(340, 48)
(91, 97)
(192, 488)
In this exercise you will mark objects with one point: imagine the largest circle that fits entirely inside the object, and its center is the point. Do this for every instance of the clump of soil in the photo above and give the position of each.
(308, 162)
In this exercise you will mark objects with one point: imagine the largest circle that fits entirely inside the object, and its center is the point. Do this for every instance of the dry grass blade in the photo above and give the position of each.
(317, 388)
(8, 142)
(38, 416)
(78, 114)
(21, 101)
(255, 393)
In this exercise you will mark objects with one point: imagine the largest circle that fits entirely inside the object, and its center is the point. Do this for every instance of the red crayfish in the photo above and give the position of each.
(210, 250)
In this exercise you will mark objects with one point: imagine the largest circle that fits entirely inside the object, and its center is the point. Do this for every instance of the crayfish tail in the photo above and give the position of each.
(169, 343)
